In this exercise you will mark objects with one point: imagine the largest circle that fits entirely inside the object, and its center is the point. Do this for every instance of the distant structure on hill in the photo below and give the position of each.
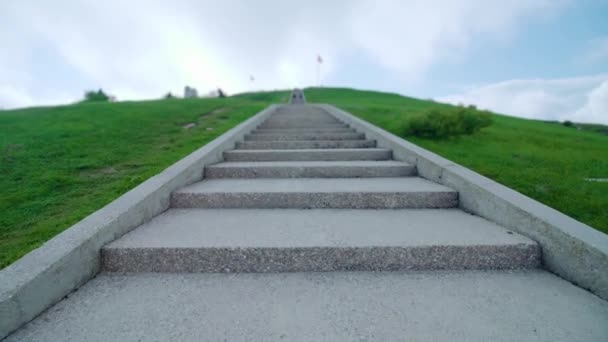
(190, 92)
(217, 93)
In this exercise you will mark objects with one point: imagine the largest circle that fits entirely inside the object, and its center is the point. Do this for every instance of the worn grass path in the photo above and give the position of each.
(60, 164)
(545, 161)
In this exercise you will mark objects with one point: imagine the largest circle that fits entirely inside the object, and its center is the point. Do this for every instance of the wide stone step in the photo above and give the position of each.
(361, 193)
(296, 123)
(301, 125)
(303, 136)
(303, 116)
(303, 130)
(307, 144)
(310, 169)
(315, 113)
(309, 154)
(290, 240)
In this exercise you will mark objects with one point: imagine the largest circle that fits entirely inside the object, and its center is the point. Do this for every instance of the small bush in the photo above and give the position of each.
(568, 123)
(445, 123)
(96, 96)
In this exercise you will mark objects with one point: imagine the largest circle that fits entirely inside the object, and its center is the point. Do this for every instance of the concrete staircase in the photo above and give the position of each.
(252, 213)
(284, 240)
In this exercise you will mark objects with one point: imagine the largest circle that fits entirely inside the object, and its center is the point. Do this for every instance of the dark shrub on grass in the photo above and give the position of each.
(568, 123)
(95, 96)
(445, 123)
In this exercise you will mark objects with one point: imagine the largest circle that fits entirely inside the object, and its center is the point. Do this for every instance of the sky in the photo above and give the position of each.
(541, 59)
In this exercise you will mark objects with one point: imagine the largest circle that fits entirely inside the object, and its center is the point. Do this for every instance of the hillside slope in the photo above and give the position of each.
(60, 164)
(545, 161)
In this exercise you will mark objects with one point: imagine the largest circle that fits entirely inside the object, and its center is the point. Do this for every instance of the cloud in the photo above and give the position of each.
(596, 107)
(410, 36)
(142, 49)
(582, 99)
(136, 53)
(12, 97)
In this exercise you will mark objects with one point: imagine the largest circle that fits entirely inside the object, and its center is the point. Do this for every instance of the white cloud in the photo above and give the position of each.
(139, 49)
(12, 97)
(410, 36)
(582, 99)
(596, 107)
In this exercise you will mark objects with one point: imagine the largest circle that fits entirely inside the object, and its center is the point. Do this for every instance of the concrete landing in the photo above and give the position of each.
(362, 193)
(276, 240)
(393, 306)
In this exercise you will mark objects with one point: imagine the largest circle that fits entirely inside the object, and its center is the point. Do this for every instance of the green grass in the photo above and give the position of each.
(60, 164)
(543, 160)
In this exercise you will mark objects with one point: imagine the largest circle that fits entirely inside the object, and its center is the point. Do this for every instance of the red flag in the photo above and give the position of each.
(319, 59)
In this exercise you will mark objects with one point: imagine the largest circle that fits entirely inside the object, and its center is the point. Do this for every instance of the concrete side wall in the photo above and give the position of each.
(45, 275)
(570, 249)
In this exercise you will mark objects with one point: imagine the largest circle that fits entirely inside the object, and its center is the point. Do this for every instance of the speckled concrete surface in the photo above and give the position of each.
(295, 120)
(393, 306)
(288, 240)
(405, 184)
(310, 169)
(319, 130)
(304, 136)
(308, 154)
(362, 193)
(302, 125)
(277, 145)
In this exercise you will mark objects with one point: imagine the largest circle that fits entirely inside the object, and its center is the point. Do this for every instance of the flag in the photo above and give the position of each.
(319, 59)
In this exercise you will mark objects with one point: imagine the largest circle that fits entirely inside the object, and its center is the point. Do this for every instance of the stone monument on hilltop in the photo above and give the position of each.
(190, 92)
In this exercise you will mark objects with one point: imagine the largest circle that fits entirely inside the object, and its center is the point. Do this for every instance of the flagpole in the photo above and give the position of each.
(319, 62)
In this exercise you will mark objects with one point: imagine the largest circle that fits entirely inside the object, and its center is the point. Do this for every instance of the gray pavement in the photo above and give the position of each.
(344, 306)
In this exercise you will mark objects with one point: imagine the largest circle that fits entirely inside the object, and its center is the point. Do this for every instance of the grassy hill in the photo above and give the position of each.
(543, 160)
(59, 164)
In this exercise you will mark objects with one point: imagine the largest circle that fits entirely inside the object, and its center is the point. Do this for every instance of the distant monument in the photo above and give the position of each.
(217, 93)
(297, 97)
(190, 92)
